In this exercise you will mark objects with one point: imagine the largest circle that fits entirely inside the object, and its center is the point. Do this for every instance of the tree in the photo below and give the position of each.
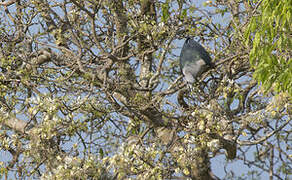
(271, 50)
(92, 90)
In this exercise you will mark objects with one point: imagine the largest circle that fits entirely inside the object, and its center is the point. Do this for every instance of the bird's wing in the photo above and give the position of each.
(203, 53)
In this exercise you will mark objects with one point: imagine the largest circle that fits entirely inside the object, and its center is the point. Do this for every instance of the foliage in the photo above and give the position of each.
(93, 90)
(270, 56)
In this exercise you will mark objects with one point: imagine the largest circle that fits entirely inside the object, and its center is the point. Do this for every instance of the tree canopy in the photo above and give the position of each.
(93, 90)
(270, 33)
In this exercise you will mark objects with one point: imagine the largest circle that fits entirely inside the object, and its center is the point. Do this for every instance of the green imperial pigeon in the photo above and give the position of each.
(194, 60)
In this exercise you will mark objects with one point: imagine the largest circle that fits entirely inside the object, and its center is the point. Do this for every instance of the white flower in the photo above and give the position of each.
(213, 144)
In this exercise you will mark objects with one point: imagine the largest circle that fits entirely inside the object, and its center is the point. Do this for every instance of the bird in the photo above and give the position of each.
(194, 60)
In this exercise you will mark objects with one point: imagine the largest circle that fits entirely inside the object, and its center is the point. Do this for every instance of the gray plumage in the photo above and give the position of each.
(194, 60)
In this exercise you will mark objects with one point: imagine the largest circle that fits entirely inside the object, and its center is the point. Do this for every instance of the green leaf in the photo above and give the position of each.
(269, 42)
(257, 39)
(101, 153)
(183, 13)
(165, 11)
